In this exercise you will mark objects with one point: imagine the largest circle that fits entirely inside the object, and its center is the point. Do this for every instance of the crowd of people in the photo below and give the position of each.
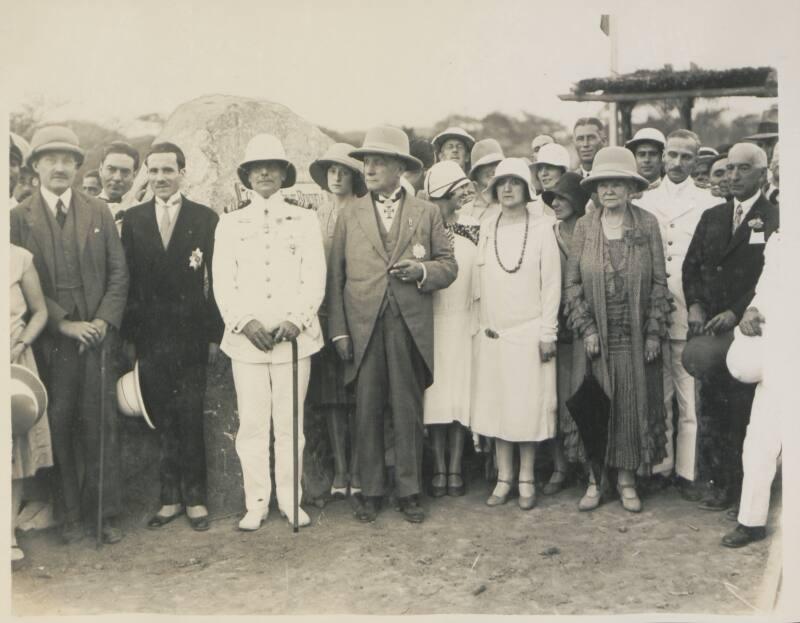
(444, 292)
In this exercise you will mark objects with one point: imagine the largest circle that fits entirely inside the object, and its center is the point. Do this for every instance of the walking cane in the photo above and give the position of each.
(295, 442)
(99, 535)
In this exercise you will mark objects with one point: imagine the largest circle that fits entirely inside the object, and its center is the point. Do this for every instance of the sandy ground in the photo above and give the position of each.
(465, 558)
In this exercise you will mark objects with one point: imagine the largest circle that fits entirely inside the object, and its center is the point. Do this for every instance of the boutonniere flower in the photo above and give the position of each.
(419, 251)
(634, 237)
(195, 259)
(755, 223)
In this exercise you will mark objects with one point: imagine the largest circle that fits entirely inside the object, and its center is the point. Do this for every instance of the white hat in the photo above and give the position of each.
(614, 163)
(511, 167)
(745, 357)
(443, 178)
(28, 399)
(647, 135)
(453, 132)
(486, 151)
(553, 154)
(130, 400)
(541, 140)
(266, 148)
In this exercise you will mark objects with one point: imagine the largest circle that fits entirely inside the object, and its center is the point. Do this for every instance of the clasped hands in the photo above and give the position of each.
(265, 340)
(89, 334)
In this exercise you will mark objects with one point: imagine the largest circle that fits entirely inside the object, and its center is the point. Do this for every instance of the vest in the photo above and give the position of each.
(69, 285)
(389, 240)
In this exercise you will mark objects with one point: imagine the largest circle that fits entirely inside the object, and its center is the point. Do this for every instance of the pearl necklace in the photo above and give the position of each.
(524, 244)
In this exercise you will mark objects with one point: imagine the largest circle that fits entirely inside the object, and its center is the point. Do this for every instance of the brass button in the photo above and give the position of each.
(669, 259)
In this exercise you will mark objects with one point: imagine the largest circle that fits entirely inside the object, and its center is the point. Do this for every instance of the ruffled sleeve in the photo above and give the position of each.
(577, 311)
(661, 303)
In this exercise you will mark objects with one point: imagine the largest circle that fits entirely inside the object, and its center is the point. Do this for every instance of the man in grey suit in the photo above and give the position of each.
(78, 255)
(390, 251)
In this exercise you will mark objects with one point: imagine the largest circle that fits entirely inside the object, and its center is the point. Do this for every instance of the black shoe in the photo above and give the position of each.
(732, 513)
(156, 521)
(71, 532)
(438, 491)
(199, 524)
(368, 509)
(411, 509)
(454, 489)
(717, 501)
(689, 490)
(743, 535)
(111, 532)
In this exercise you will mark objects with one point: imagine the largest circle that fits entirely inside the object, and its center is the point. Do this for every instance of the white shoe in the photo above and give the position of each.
(16, 553)
(253, 519)
(302, 518)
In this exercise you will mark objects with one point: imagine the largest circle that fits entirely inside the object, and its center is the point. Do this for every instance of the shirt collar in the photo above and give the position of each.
(106, 198)
(747, 204)
(390, 198)
(174, 200)
(675, 189)
(52, 199)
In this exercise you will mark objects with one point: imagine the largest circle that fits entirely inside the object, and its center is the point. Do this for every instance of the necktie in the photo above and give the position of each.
(61, 213)
(163, 226)
(737, 217)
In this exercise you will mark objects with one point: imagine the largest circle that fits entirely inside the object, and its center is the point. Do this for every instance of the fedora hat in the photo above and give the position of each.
(55, 138)
(28, 399)
(766, 130)
(553, 154)
(614, 163)
(453, 132)
(443, 178)
(705, 355)
(745, 358)
(338, 153)
(486, 151)
(647, 135)
(130, 399)
(265, 148)
(386, 140)
(568, 187)
(511, 167)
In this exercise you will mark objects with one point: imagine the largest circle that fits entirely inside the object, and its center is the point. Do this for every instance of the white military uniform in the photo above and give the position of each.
(678, 208)
(269, 265)
(762, 444)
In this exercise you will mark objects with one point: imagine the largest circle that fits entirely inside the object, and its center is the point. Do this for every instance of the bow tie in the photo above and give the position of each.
(388, 200)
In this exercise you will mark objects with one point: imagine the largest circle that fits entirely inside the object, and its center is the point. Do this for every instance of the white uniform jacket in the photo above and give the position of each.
(678, 208)
(269, 265)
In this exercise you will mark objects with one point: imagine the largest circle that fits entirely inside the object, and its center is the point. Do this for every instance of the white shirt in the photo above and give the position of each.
(387, 211)
(746, 205)
(51, 199)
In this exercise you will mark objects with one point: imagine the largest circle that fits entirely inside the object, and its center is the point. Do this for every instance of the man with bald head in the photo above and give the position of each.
(720, 273)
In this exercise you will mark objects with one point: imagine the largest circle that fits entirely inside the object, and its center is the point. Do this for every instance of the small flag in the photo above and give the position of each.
(605, 24)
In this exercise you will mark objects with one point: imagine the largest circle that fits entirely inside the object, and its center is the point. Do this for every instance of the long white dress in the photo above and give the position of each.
(454, 324)
(514, 393)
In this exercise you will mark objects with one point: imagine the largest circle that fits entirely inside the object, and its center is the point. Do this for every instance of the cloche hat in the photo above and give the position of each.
(569, 187)
(387, 141)
(486, 151)
(511, 167)
(613, 163)
(265, 148)
(338, 153)
(28, 399)
(553, 154)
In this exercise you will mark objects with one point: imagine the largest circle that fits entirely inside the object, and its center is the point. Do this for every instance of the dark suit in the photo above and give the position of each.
(720, 273)
(72, 379)
(171, 321)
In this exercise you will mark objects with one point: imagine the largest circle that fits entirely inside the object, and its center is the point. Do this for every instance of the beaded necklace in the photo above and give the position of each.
(524, 244)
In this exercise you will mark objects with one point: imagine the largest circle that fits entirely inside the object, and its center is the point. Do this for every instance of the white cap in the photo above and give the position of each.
(444, 177)
(553, 154)
(540, 140)
(649, 135)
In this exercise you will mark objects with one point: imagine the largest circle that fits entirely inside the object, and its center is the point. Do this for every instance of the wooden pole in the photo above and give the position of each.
(613, 138)
(686, 112)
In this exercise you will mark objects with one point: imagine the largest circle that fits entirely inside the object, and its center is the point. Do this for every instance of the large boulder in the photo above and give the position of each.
(213, 132)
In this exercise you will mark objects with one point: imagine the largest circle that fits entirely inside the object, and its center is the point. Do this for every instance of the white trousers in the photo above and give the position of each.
(678, 382)
(264, 397)
(762, 446)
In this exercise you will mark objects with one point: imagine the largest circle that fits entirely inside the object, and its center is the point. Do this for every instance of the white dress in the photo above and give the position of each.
(514, 393)
(454, 324)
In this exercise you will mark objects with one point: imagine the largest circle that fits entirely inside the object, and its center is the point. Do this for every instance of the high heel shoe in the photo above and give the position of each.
(438, 491)
(498, 500)
(527, 502)
(630, 502)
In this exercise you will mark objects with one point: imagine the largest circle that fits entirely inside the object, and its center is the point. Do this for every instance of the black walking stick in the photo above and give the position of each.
(99, 535)
(295, 442)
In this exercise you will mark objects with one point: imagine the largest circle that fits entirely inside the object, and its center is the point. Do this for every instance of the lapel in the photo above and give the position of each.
(410, 214)
(743, 231)
(181, 232)
(151, 226)
(366, 218)
(41, 234)
(83, 221)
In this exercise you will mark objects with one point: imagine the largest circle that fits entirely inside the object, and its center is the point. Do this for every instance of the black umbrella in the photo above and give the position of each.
(590, 408)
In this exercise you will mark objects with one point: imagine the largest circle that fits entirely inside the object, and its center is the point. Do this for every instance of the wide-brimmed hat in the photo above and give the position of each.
(553, 154)
(766, 130)
(511, 167)
(568, 187)
(265, 148)
(19, 146)
(453, 132)
(28, 399)
(443, 178)
(745, 358)
(130, 399)
(486, 151)
(541, 140)
(386, 140)
(55, 138)
(704, 355)
(338, 153)
(614, 163)
(646, 135)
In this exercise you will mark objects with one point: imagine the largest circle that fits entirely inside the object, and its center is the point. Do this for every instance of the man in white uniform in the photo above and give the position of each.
(678, 205)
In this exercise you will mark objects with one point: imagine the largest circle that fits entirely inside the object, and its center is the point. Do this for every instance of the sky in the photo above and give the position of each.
(350, 64)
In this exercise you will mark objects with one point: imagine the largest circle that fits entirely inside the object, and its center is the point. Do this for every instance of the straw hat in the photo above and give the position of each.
(338, 153)
(387, 141)
(265, 148)
(130, 400)
(28, 399)
(553, 154)
(55, 138)
(443, 178)
(745, 359)
(647, 135)
(511, 167)
(487, 151)
(614, 163)
(453, 132)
